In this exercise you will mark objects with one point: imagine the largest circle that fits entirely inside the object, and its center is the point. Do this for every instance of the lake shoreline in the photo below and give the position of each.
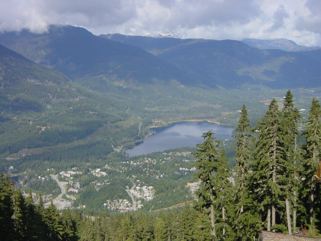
(180, 133)
(160, 124)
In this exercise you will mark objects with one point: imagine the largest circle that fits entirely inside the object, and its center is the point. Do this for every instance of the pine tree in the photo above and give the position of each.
(268, 168)
(246, 221)
(207, 159)
(186, 221)
(243, 155)
(6, 209)
(224, 199)
(160, 229)
(35, 226)
(202, 227)
(313, 147)
(20, 216)
(69, 227)
(289, 132)
(52, 220)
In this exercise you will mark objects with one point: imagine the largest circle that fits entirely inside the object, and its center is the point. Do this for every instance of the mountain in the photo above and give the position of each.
(45, 115)
(19, 76)
(78, 53)
(136, 59)
(153, 45)
(280, 44)
(233, 64)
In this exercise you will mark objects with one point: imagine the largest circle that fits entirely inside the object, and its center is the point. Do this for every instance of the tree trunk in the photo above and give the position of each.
(223, 218)
(213, 231)
(294, 211)
(268, 219)
(312, 212)
(274, 181)
(294, 220)
(295, 195)
(288, 215)
(273, 216)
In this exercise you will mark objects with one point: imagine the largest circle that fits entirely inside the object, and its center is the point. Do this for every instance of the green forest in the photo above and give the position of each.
(274, 186)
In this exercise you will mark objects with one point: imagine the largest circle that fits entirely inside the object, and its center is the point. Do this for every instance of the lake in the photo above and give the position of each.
(178, 135)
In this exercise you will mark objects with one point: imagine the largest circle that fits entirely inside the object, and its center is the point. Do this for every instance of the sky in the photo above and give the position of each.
(298, 20)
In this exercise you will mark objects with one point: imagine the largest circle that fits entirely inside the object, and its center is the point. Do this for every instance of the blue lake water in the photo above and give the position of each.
(183, 134)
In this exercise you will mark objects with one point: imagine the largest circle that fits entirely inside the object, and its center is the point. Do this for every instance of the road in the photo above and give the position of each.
(60, 202)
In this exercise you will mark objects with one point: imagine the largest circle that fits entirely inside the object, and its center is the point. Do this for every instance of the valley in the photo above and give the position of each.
(67, 122)
(160, 120)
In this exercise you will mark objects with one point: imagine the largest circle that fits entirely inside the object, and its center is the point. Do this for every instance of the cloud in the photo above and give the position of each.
(312, 20)
(299, 20)
(279, 18)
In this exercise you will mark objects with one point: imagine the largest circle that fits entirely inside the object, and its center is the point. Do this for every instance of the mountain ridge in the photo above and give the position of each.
(280, 44)
(77, 53)
(232, 63)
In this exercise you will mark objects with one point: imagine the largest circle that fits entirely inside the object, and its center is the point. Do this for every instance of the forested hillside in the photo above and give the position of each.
(21, 219)
(41, 107)
(274, 186)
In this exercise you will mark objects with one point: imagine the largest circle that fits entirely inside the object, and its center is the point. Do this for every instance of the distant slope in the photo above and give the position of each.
(95, 60)
(232, 64)
(78, 53)
(44, 115)
(280, 44)
(19, 75)
(154, 45)
(215, 63)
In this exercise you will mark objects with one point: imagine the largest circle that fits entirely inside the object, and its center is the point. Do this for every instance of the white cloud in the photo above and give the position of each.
(299, 20)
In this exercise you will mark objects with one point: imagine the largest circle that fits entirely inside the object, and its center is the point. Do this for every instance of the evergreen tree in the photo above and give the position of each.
(207, 159)
(202, 227)
(289, 132)
(267, 178)
(69, 227)
(215, 192)
(224, 200)
(88, 230)
(246, 221)
(312, 148)
(20, 216)
(185, 226)
(160, 229)
(243, 155)
(6, 209)
(35, 226)
(20, 219)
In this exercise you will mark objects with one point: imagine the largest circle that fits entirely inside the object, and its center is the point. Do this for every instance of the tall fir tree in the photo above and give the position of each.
(289, 134)
(243, 155)
(224, 199)
(246, 221)
(312, 157)
(20, 216)
(160, 229)
(6, 209)
(207, 161)
(268, 167)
